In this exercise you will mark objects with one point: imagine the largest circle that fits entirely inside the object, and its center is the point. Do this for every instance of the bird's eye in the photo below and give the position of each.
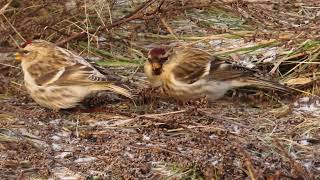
(25, 52)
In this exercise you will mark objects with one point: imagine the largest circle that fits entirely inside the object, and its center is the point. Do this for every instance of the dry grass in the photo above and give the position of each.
(259, 136)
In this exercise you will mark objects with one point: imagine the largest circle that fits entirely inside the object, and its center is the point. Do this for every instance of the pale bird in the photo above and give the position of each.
(57, 79)
(189, 73)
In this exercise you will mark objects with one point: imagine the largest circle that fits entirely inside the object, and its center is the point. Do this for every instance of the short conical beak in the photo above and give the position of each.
(155, 66)
(18, 56)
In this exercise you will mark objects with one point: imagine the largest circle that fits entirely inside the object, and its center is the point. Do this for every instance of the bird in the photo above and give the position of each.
(58, 79)
(187, 73)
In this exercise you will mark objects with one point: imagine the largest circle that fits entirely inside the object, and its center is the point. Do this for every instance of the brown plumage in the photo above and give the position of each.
(188, 73)
(58, 79)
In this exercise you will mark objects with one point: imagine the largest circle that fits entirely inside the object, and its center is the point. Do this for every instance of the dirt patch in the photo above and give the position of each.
(225, 140)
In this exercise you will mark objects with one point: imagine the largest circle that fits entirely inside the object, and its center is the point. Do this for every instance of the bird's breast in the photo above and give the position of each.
(182, 90)
(57, 97)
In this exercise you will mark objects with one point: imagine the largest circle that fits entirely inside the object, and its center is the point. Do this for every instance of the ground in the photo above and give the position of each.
(248, 134)
(156, 138)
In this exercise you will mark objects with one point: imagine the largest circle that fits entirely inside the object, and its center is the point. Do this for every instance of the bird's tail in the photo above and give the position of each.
(120, 90)
(266, 84)
(114, 88)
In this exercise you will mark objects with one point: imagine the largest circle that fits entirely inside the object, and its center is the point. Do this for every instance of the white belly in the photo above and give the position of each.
(211, 89)
(54, 97)
(185, 91)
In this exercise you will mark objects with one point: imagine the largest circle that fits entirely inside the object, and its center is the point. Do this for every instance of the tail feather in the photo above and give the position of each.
(113, 88)
(120, 90)
(262, 83)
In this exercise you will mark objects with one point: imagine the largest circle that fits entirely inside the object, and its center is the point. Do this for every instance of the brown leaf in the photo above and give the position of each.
(298, 81)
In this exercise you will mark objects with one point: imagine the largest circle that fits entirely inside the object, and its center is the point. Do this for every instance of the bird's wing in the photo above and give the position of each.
(79, 75)
(76, 74)
(96, 70)
(66, 67)
(188, 64)
(224, 70)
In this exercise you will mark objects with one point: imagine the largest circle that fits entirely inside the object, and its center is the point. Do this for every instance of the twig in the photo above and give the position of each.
(163, 21)
(161, 114)
(136, 14)
(57, 31)
(13, 28)
(8, 65)
(3, 9)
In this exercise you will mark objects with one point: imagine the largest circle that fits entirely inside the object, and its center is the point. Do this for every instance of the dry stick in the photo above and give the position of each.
(3, 9)
(170, 30)
(8, 65)
(132, 16)
(56, 30)
(13, 28)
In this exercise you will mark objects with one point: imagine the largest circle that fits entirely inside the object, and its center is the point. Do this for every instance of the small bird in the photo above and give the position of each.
(58, 79)
(189, 73)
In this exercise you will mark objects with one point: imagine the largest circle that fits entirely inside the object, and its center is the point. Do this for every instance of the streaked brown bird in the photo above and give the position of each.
(58, 79)
(189, 73)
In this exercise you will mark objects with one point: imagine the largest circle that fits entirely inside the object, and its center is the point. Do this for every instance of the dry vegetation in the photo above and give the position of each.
(247, 135)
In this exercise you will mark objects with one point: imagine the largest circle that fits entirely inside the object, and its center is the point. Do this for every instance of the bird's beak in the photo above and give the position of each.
(155, 66)
(18, 56)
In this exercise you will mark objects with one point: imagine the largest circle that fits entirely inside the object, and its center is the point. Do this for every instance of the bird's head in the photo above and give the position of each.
(157, 57)
(31, 49)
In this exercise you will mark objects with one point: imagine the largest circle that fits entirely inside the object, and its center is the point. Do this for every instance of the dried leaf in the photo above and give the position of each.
(298, 81)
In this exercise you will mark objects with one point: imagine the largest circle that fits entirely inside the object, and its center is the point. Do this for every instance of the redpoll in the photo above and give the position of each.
(188, 73)
(58, 79)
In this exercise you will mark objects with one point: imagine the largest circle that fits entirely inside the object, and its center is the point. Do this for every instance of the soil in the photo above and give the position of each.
(233, 138)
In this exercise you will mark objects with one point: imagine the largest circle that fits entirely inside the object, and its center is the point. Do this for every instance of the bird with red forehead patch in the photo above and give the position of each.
(56, 78)
(157, 53)
(153, 66)
(187, 73)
